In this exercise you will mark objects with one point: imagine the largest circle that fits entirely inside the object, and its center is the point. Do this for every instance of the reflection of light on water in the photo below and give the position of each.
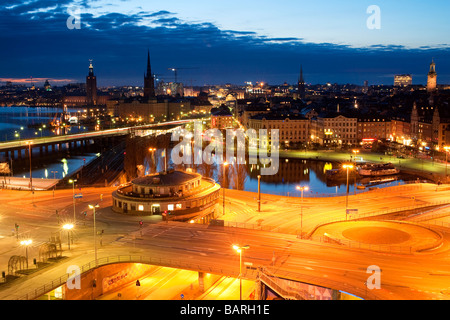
(327, 166)
(46, 173)
(65, 167)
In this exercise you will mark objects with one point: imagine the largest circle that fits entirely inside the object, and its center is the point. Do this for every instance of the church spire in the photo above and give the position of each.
(149, 83)
(149, 67)
(301, 84)
(300, 80)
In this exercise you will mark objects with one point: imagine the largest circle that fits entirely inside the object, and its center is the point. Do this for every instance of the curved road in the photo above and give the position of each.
(416, 276)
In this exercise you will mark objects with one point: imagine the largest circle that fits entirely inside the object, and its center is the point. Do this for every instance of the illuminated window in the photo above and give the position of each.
(141, 207)
(170, 207)
(178, 206)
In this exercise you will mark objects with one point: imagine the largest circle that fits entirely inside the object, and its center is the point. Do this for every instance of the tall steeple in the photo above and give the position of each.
(149, 66)
(149, 83)
(301, 84)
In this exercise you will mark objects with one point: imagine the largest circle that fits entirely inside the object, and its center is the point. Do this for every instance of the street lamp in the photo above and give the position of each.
(355, 151)
(26, 243)
(259, 193)
(446, 148)
(95, 232)
(348, 167)
(223, 185)
(304, 188)
(68, 227)
(73, 197)
(239, 250)
(29, 143)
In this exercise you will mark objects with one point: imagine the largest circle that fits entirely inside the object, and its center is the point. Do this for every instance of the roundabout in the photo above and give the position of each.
(385, 236)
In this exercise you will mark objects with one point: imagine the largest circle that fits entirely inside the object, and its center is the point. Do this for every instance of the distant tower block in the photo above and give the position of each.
(432, 78)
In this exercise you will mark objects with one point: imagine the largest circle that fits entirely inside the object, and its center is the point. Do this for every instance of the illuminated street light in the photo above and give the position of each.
(223, 185)
(446, 148)
(347, 167)
(73, 197)
(304, 188)
(68, 227)
(259, 193)
(29, 143)
(239, 250)
(95, 232)
(26, 243)
(355, 151)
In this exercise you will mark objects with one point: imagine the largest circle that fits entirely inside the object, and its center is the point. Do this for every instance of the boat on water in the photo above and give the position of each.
(376, 170)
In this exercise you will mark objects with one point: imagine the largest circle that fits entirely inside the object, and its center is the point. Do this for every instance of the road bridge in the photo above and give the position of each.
(17, 150)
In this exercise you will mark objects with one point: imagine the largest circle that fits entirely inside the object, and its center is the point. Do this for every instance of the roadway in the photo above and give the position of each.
(415, 276)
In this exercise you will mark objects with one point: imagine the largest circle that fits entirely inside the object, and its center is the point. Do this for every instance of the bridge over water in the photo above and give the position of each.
(21, 148)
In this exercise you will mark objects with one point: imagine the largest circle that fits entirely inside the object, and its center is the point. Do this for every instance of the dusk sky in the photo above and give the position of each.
(221, 42)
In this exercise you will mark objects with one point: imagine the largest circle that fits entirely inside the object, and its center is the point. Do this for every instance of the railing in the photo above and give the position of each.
(91, 134)
(36, 293)
(379, 213)
(252, 273)
(283, 291)
(322, 282)
(253, 226)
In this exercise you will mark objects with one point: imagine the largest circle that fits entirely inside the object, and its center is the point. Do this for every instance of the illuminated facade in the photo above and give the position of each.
(400, 131)
(334, 129)
(221, 118)
(293, 128)
(378, 128)
(402, 80)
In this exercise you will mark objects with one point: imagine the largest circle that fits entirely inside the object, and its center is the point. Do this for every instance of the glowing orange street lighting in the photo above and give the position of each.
(29, 143)
(223, 185)
(347, 167)
(446, 148)
(239, 250)
(304, 188)
(68, 227)
(355, 151)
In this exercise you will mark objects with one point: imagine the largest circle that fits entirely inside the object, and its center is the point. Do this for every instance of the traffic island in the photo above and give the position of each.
(382, 236)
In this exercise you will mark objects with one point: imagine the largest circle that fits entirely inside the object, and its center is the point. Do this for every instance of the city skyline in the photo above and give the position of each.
(256, 43)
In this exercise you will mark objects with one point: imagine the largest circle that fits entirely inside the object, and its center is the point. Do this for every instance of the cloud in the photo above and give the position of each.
(37, 41)
(36, 80)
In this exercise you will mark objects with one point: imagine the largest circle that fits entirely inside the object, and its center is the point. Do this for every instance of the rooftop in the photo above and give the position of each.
(166, 178)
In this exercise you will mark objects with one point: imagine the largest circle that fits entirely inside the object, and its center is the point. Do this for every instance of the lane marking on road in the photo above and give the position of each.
(412, 277)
